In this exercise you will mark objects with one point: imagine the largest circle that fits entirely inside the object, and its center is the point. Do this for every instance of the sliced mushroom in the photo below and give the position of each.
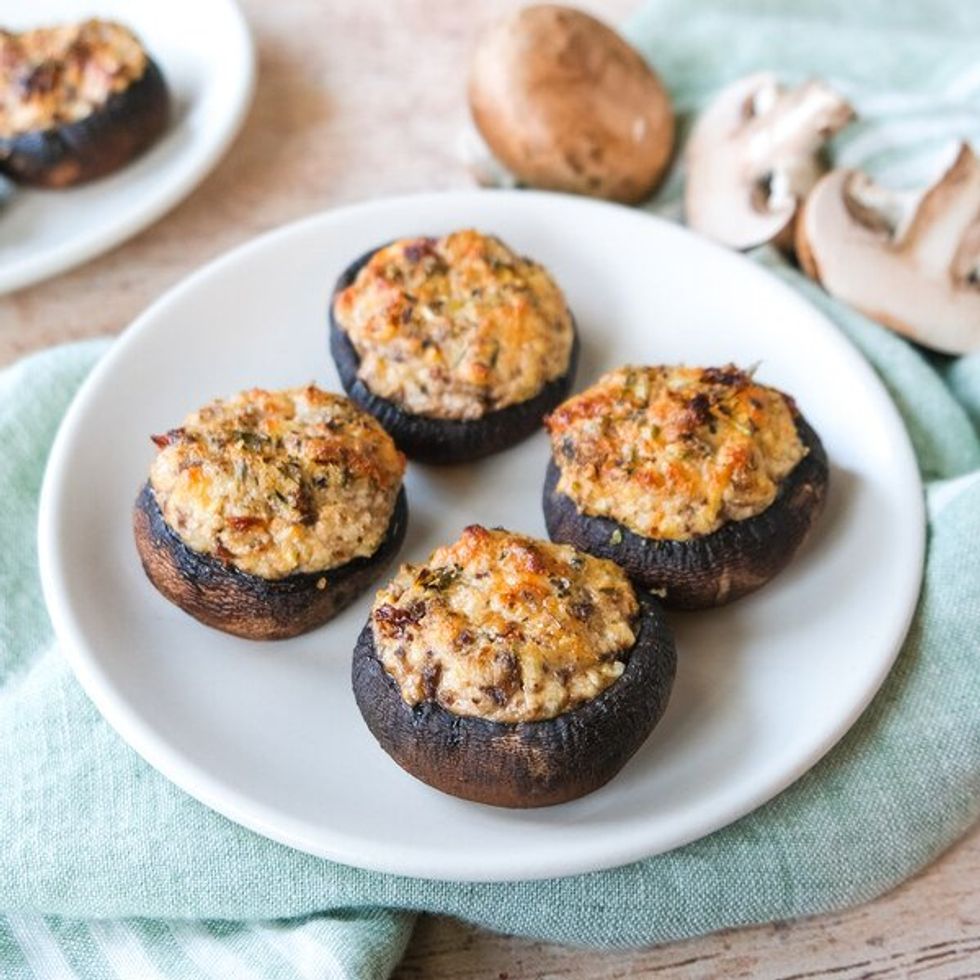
(911, 262)
(754, 154)
(565, 103)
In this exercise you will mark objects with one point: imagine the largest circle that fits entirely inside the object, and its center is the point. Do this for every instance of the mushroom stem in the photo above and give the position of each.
(796, 125)
(881, 208)
(946, 212)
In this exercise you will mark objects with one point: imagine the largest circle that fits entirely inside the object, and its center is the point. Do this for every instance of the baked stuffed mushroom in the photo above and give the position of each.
(512, 671)
(457, 345)
(700, 482)
(76, 102)
(266, 514)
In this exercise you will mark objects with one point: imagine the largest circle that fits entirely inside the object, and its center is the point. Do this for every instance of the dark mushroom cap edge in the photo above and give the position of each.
(105, 140)
(712, 569)
(433, 440)
(222, 596)
(528, 764)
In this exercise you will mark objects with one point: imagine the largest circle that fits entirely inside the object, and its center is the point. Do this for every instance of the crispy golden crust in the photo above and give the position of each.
(504, 627)
(674, 452)
(276, 483)
(455, 327)
(57, 75)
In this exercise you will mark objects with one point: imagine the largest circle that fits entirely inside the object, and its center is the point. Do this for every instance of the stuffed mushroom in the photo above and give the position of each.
(458, 345)
(700, 482)
(512, 671)
(266, 514)
(76, 102)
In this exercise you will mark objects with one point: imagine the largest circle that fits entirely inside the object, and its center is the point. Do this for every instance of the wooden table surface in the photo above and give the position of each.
(358, 98)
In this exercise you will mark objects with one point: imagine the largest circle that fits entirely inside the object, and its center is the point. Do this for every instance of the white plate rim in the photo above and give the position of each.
(34, 269)
(380, 856)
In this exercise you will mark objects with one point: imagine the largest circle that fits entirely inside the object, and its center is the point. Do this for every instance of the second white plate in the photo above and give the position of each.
(269, 734)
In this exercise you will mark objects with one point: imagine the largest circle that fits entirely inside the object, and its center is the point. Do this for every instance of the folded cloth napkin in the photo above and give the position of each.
(106, 869)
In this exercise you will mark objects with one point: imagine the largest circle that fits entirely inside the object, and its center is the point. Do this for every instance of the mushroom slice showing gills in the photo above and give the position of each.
(911, 262)
(754, 154)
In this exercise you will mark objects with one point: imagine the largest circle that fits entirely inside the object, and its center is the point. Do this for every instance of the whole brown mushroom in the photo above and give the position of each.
(566, 104)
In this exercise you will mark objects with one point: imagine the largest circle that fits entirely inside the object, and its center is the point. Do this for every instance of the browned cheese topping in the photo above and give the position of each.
(505, 627)
(56, 75)
(279, 482)
(674, 452)
(455, 327)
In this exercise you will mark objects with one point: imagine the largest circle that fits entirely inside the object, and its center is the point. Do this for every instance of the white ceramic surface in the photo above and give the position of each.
(210, 70)
(269, 734)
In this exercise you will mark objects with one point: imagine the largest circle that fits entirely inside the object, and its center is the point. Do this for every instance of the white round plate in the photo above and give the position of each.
(268, 733)
(205, 52)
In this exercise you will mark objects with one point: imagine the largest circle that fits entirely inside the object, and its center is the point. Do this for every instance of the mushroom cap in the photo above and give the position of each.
(918, 273)
(753, 154)
(529, 764)
(433, 440)
(566, 104)
(226, 598)
(718, 198)
(711, 569)
(126, 125)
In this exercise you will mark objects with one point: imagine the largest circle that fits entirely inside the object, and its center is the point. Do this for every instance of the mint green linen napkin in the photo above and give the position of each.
(106, 869)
